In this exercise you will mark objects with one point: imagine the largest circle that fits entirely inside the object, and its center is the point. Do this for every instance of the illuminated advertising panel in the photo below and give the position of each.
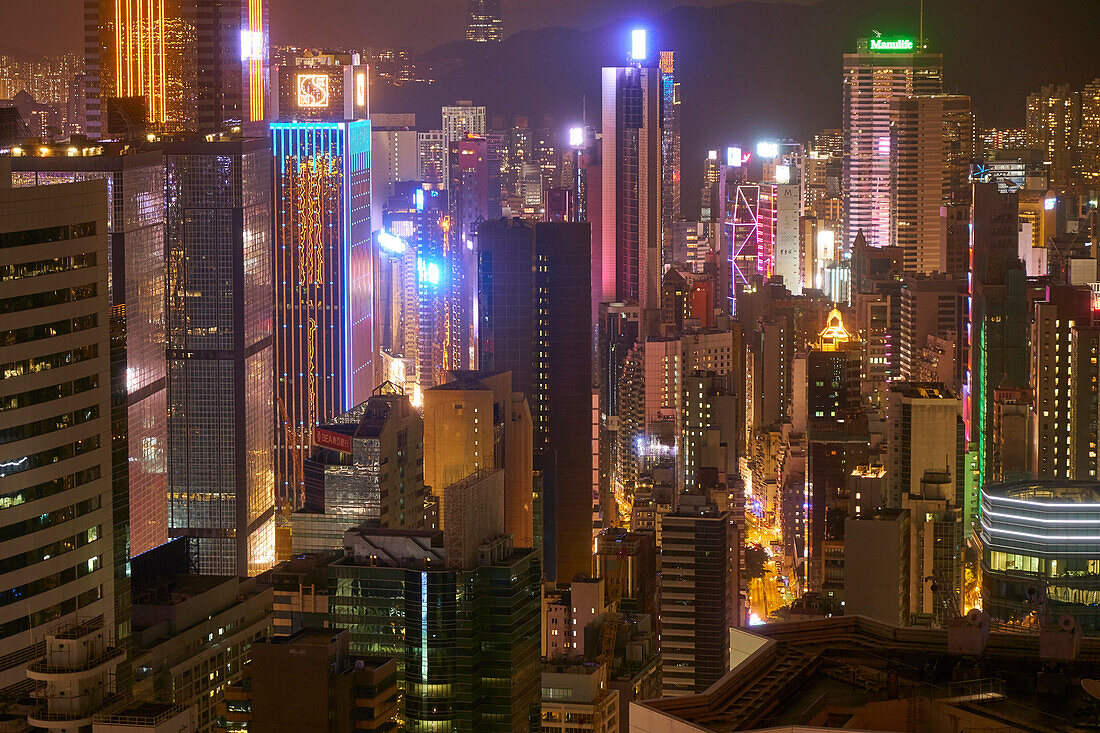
(891, 45)
(313, 90)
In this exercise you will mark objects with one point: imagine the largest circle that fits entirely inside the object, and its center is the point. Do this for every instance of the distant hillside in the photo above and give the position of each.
(751, 70)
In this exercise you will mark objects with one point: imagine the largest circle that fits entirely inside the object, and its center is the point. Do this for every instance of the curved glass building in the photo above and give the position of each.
(1040, 543)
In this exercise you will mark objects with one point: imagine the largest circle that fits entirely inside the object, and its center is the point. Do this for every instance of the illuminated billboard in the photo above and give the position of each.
(895, 44)
(313, 90)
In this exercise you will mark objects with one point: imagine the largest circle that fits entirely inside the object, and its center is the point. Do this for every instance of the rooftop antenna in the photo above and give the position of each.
(922, 24)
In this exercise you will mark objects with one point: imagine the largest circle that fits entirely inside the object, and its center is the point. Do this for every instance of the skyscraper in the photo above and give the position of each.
(135, 258)
(1053, 123)
(1063, 382)
(670, 153)
(65, 520)
(325, 350)
(484, 23)
(534, 314)
(880, 70)
(630, 263)
(220, 406)
(176, 65)
(997, 324)
(931, 148)
(698, 581)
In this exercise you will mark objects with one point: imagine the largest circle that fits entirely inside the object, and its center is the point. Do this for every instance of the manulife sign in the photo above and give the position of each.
(896, 44)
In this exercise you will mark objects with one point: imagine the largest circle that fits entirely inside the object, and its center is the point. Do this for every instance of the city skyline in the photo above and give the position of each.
(729, 367)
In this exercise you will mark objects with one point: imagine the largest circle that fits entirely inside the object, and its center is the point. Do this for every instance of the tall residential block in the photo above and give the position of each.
(698, 582)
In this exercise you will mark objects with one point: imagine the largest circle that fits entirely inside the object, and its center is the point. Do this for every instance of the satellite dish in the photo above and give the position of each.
(1092, 687)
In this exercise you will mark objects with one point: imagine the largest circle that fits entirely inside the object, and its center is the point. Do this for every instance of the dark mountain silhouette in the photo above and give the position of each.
(757, 70)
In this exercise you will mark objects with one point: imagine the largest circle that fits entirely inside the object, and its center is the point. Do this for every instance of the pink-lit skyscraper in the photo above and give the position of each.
(879, 71)
(630, 259)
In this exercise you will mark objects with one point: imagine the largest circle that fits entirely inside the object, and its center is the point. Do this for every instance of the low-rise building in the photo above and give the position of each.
(193, 634)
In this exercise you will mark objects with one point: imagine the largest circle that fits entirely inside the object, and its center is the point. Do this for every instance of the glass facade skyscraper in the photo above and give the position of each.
(219, 250)
(136, 277)
(466, 641)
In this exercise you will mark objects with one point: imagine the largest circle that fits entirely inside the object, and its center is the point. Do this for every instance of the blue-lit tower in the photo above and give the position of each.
(325, 342)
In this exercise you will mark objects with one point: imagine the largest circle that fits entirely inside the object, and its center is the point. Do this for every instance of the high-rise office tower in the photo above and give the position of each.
(473, 422)
(630, 263)
(836, 443)
(63, 548)
(997, 324)
(325, 350)
(459, 120)
(931, 148)
(135, 258)
(483, 21)
(698, 582)
(534, 313)
(1063, 379)
(878, 71)
(220, 406)
(366, 464)
(708, 205)
(670, 152)
(174, 66)
(474, 197)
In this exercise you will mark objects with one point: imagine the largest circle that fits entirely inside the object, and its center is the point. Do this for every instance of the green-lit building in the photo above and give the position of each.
(466, 641)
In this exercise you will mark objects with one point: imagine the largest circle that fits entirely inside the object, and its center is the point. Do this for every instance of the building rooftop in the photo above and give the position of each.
(923, 390)
(1050, 492)
(854, 672)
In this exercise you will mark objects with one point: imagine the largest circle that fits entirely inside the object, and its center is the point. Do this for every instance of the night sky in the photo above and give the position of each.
(55, 26)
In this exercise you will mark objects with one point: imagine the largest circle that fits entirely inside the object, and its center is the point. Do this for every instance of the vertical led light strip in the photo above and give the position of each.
(344, 132)
(162, 62)
(256, 60)
(424, 628)
(118, 47)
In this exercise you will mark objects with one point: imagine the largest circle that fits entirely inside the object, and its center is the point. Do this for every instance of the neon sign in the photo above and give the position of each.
(897, 44)
(313, 90)
(361, 89)
(428, 272)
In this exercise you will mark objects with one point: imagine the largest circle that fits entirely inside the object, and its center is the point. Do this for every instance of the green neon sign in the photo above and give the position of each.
(896, 44)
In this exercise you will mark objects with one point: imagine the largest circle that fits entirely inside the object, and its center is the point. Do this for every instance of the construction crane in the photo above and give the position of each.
(607, 641)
